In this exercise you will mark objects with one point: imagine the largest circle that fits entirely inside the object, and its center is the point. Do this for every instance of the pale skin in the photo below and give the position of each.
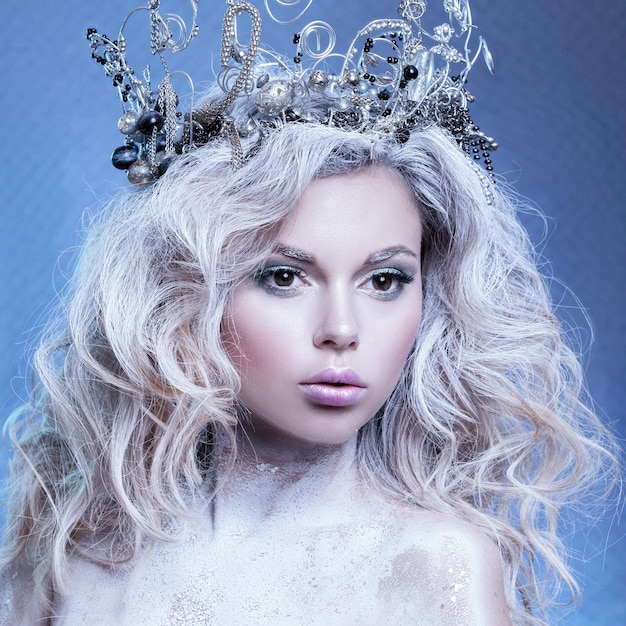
(297, 535)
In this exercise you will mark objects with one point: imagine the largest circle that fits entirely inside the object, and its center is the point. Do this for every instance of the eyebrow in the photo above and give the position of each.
(294, 253)
(388, 253)
(381, 255)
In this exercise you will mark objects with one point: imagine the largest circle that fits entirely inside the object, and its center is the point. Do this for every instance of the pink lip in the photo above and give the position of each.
(332, 387)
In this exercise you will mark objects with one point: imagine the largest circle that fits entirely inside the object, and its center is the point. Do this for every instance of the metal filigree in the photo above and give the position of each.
(394, 77)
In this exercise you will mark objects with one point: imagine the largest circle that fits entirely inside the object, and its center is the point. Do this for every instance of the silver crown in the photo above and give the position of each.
(395, 77)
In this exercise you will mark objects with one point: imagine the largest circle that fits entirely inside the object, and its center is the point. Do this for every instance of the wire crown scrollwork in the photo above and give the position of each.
(395, 76)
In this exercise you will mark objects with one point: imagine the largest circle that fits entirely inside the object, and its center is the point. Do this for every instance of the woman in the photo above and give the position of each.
(325, 387)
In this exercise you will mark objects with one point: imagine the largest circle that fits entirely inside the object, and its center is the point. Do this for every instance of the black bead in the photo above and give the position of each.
(124, 156)
(403, 84)
(410, 72)
(372, 79)
(296, 59)
(150, 121)
(383, 94)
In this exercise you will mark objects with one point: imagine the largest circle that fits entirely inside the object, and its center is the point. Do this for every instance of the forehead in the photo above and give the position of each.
(363, 211)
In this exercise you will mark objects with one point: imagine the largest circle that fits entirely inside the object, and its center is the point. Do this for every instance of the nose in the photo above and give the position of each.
(338, 326)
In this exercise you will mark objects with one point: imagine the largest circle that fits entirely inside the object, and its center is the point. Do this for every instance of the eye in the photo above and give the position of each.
(387, 283)
(383, 282)
(279, 279)
(283, 278)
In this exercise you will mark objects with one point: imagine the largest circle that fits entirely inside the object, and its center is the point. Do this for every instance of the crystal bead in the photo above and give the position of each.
(424, 62)
(140, 173)
(352, 78)
(274, 97)
(127, 124)
(318, 81)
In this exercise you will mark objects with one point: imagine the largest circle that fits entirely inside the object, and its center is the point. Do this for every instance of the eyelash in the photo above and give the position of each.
(397, 276)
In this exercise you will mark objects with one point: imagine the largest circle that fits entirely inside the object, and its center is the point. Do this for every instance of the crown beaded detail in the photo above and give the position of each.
(395, 77)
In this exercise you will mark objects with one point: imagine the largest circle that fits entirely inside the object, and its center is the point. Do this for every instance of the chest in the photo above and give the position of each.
(288, 576)
(340, 574)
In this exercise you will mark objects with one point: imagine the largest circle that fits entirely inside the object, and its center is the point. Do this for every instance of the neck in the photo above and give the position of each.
(256, 445)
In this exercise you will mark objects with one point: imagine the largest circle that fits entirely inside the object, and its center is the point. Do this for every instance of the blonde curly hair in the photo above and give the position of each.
(486, 422)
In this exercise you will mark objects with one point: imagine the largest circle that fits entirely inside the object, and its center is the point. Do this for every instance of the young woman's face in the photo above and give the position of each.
(320, 335)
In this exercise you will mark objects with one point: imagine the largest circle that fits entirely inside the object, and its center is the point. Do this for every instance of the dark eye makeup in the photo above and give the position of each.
(384, 283)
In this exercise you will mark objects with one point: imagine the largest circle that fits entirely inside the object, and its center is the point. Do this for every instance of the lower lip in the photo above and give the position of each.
(333, 395)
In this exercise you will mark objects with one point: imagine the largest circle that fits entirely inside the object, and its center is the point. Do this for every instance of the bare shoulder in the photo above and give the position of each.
(95, 597)
(18, 603)
(453, 567)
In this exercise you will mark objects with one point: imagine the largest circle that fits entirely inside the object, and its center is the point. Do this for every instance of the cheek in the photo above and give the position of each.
(400, 343)
(407, 339)
(255, 338)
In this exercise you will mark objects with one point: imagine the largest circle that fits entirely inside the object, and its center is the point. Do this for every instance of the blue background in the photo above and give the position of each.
(556, 104)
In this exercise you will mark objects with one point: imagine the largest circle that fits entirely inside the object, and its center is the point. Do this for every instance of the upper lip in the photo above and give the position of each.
(331, 376)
